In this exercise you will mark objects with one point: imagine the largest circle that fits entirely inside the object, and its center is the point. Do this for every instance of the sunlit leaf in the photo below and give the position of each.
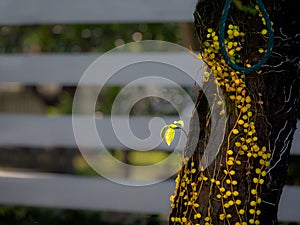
(180, 122)
(163, 132)
(173, 126)
(169, 135)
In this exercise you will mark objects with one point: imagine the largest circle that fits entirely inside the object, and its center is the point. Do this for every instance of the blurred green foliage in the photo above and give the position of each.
(82, 37)
(18, 215)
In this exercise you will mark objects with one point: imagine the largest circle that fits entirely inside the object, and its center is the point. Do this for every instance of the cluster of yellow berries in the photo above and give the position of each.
(243, 132)
(242, 151)
(188, 195)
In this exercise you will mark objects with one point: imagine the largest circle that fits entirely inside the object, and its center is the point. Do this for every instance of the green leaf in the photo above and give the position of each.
(180, 122)
(169, 135)
(163, 131)
(173, 126)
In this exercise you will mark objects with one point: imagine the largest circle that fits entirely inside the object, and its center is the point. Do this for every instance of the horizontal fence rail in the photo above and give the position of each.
(68, 69)
(45, 131)
(20, 12)
(57, 131)
(64, 191)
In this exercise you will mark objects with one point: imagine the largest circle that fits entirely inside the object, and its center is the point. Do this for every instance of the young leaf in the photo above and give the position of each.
(173, 126)
(180, 122)
(169, 135)
(163, 132)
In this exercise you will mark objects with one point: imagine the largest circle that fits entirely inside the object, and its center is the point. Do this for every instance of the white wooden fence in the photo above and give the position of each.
(66, 191)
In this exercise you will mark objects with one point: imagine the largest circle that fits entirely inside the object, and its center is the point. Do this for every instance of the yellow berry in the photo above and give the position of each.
(241, 211)
(198, 215)
(261, 181)
(245, 147)
(235, 131)
(245, 117)
(249, 140)
(240, 122)
(255, 148)
(231, 52)
(238, 202)
(228, 193)
(237, 144)
(229, 152)
(222, 216)
(229, 162)
(264, 32)
(172, 197)
(229, 32)
(248, 99)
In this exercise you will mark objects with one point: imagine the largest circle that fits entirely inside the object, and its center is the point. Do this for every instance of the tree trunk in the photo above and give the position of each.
(244, 182)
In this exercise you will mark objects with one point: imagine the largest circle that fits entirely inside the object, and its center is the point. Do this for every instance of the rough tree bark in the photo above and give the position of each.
(244, 183)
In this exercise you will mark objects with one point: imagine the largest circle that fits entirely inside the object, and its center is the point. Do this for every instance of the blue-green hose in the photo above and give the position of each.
(222, 38)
